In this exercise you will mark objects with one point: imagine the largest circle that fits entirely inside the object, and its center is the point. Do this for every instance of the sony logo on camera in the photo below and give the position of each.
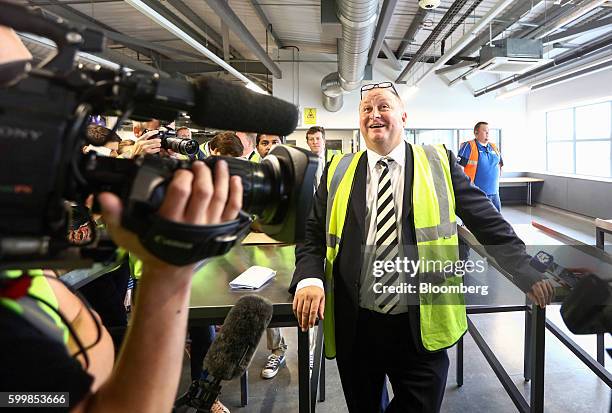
(19, 133)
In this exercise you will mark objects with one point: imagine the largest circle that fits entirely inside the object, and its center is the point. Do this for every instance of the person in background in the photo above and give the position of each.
(226, 144)
(144, 133)
(185, 133)
(102, 140)
(125, 147)
(482, 162)
(315, 138)
(248, 140)
(265, 142)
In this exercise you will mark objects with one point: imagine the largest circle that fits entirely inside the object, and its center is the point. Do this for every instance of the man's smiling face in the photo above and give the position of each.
(382, 119)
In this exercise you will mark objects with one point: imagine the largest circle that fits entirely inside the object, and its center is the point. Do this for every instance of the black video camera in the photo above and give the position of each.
(42, 169)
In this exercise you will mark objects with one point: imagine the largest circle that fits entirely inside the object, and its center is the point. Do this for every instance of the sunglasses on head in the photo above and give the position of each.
(382, 85)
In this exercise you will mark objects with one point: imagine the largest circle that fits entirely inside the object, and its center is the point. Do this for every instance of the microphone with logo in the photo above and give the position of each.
(230, 354)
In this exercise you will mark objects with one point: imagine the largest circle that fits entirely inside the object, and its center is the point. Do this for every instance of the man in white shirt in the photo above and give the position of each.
(373, 337)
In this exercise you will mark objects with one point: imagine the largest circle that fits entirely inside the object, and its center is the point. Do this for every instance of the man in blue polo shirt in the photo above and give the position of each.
(482, 162)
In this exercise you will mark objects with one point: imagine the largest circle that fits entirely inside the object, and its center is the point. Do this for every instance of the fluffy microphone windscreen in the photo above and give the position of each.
(226, 105)
(231, 352)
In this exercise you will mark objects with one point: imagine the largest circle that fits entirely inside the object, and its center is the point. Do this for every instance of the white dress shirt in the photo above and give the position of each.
(398, 154)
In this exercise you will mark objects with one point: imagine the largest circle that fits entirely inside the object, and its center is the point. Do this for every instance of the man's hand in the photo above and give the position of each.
(541, 293)
(308, 303)
(145, 145)
(191, 198)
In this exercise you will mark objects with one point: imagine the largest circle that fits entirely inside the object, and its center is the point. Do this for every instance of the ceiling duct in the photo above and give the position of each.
(511, 56)
(358, 18)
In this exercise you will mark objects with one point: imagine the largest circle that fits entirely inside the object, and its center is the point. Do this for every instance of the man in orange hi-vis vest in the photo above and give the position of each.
(482, 162)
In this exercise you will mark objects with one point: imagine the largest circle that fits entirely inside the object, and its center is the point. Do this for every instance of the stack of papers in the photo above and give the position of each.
(253, 278)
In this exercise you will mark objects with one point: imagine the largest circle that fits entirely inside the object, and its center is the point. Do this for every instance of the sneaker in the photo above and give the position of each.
(272, 365)
(218, 407)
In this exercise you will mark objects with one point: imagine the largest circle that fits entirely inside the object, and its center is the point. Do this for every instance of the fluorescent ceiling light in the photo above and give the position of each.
(252, 86)
(514, 92)
(168, 25)
(90, 58)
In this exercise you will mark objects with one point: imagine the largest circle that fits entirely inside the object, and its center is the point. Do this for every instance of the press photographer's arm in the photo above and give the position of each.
(146, 375)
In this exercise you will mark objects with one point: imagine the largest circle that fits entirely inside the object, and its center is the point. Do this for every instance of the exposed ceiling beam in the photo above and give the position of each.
(577, 31)
(386, 13)
(162, 10)
(395, 64)
(433, 36)
(188, 68)
(567, 17)
(411, 32)
(75, 16)
(454, 67)
(214, 37)
(225, 12)
(507, 19)
(162, 21)
(264, 20)
(464, 40)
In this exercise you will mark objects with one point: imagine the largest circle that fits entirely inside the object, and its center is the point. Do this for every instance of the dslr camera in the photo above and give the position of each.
(169, 140)
(43, 117)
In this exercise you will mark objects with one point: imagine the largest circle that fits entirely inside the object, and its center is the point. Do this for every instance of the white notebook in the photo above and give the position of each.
(253, 278)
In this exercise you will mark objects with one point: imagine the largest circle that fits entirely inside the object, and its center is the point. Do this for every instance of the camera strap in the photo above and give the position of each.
(182, 244)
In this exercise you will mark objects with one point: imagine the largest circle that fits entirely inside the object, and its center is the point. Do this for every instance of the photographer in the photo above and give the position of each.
(44, 357)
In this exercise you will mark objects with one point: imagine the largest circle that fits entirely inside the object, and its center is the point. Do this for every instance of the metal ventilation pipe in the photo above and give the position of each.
(358, 19)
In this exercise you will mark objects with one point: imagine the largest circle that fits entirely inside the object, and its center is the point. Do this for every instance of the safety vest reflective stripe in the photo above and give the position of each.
(339, 169)
(442, 316)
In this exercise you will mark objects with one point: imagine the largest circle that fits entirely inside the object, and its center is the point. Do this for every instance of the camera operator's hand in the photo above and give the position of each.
(541, 293)
(146, 145)
(308, 304)
(191, 198)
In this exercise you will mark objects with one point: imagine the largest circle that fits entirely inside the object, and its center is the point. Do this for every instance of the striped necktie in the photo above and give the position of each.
(387, 245)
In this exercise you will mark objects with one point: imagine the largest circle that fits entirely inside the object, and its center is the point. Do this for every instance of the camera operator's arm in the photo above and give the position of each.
(146, 375)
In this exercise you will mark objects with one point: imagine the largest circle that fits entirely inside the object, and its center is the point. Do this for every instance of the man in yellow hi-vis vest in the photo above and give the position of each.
(394, 201)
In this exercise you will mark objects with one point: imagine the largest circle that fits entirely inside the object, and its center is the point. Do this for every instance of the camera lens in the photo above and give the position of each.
(182, 146)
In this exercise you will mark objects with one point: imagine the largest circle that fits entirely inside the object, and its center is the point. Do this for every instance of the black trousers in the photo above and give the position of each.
(384, 346)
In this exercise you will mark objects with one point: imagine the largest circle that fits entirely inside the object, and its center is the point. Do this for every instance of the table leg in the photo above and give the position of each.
(538, 330)
(601, 354)
(527, 347)
(244, 389)
(303, 371)
(529, 193)
(599, 238)
(460, 362)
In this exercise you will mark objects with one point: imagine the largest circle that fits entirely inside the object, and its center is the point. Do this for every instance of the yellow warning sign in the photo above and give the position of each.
(310, 116)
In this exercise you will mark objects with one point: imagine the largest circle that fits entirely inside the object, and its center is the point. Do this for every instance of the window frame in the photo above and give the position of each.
(574, 140)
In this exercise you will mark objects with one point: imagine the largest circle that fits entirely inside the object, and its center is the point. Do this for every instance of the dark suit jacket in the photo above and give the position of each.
(472, 206)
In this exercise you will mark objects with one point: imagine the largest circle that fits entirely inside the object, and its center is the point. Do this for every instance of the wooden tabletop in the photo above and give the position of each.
(519, 179)
(604, 223)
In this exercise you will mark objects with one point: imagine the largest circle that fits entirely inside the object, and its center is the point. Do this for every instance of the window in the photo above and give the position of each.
(579, 140)
(452, 138)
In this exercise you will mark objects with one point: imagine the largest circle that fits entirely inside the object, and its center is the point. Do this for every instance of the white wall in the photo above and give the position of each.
(434, 105)
(588, 89)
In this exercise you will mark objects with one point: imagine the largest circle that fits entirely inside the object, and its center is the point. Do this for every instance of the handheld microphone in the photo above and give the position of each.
(230, 354)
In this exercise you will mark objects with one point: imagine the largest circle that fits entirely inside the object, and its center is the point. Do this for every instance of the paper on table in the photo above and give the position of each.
(253, 278)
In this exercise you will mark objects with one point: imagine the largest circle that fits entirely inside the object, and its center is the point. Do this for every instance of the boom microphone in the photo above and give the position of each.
(226, 105)
(230, 354)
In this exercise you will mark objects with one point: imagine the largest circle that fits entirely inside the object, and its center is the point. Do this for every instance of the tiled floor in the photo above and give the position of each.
(569, 385)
